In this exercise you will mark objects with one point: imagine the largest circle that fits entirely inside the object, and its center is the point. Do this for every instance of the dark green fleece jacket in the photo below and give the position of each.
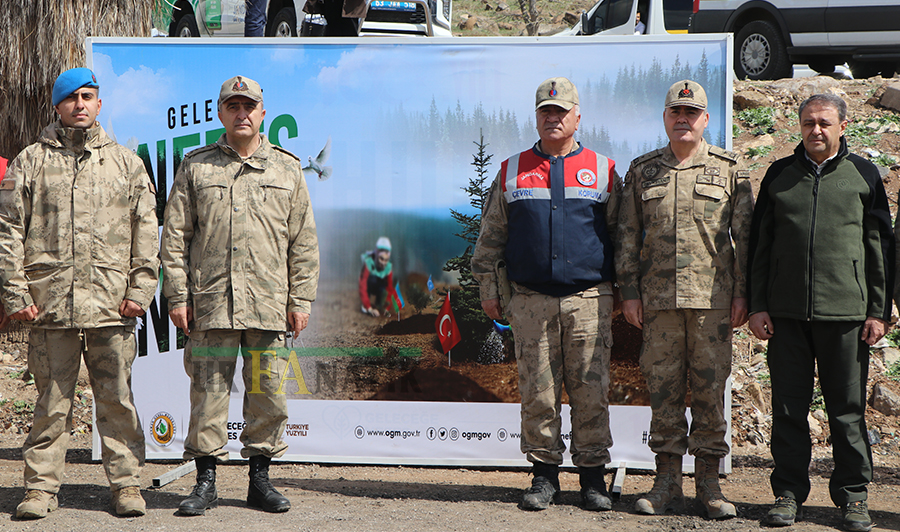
(822, 247)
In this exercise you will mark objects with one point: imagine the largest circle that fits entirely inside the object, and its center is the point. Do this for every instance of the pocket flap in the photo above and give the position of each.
(654, 193)
(710, 191)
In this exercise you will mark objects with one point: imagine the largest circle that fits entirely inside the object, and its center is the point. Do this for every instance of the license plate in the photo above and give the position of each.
(389, 5)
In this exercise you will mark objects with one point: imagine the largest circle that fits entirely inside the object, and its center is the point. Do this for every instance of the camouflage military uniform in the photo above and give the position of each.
(239, 246)
(674, 252)
(559, 340)
(77, 269)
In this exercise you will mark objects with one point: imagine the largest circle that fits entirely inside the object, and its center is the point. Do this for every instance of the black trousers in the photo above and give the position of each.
(796, 348)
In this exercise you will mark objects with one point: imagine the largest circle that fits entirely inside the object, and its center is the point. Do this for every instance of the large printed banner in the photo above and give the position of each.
(402, 119)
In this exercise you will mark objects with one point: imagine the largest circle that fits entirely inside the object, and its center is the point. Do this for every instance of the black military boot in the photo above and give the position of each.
(204, 495)
(544, 487)
(594, 495)
(261, 493)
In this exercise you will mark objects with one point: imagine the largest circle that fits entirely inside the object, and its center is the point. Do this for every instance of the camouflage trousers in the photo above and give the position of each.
(54, 358)
(683, 347)
(564, 341)
(210, 360)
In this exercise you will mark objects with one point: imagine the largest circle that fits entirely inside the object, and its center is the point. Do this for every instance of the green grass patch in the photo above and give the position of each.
(884, 160)
(761, 117)
(893, 336)
(893, 372)
(818, 400)
(760, 151)
(20, 406)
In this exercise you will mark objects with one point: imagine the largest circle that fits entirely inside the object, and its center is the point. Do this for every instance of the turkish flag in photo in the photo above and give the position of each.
(447, 331)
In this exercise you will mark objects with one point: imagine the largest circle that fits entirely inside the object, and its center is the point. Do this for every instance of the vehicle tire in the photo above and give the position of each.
(187, 26)
(760, 53)
(284, 24)
(822, 67)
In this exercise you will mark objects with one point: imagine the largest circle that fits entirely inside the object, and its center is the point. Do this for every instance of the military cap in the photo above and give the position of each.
(686, 92)
(556, 91)
(240, 86)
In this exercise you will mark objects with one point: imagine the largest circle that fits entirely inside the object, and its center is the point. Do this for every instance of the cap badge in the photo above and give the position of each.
(553, 91)
(686, 92)
(239, 85)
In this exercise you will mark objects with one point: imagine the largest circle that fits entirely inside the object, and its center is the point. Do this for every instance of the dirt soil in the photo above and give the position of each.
(376, 498)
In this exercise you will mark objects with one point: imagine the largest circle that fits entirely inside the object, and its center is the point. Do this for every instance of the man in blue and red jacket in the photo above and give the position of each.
(549, 217)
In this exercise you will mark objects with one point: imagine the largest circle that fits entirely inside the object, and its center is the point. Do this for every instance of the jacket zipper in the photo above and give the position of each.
(812, 235)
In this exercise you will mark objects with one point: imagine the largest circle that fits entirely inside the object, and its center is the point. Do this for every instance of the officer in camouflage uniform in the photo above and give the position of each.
(78, 264)
(241, 264)
(549, 217)
(683, 282)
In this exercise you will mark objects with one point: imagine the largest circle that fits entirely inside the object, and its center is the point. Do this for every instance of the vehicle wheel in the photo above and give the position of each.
(822, 67)
(759, 52)
(284, 24)
(187, 26)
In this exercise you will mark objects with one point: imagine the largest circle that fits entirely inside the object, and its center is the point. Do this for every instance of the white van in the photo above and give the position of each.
(770, 36)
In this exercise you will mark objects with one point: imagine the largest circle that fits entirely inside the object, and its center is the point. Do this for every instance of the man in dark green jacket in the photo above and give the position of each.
(821, 268)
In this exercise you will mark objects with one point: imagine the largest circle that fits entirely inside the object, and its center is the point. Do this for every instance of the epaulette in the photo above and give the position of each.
(200, 150)
(647, 156)
(286, 152)
(725, 154)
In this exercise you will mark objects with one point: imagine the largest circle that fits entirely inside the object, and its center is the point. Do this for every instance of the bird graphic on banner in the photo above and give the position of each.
(317, 167)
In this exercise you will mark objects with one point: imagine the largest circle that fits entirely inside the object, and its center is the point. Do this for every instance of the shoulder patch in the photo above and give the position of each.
(647, 156)
(200, 150)
(284, 151)
(719, 152)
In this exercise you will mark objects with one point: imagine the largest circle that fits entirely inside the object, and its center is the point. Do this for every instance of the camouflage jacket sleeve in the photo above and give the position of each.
(613, 206)
(741, 218)
(15, 216)
(629, 237)
(178, 230)
(491, 244)
(144, 269)
(303, 252)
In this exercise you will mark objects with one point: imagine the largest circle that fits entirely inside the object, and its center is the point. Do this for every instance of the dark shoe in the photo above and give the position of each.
(855, 517)
(784, 512)
(261, 493)
(204, 495)
(544, 487)
(594, 496)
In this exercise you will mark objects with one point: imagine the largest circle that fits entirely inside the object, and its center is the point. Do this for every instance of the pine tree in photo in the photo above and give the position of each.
(474, 324)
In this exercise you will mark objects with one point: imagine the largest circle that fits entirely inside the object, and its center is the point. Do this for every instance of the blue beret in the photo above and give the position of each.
(70, 81)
